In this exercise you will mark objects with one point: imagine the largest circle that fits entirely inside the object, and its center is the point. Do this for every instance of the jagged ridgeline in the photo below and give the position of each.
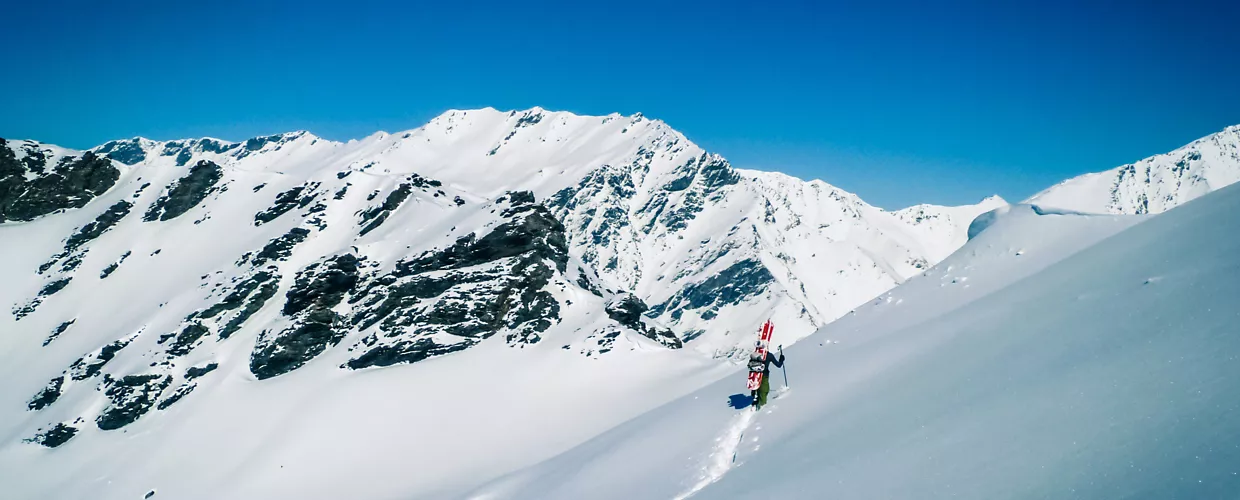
(36, 180)
(171, 265)
(507, 278)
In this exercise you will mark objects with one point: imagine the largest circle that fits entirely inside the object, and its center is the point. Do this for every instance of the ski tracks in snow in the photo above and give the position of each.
(723, 457)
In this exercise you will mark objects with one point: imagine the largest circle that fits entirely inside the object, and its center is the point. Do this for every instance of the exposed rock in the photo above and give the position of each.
(176, 395)
(89, 365)
(315, 326)
(255, 302)
(48, 290)
(47, 396)
(373, 217)
(129, 152)
(56, 436)
(429, 305)
(280, 248)
(627, 310)
(186, 193)
(236, 298)
(100, 225)
(71, 183)
(286, 201)
(187, 339)
(195, 372)
(131, 397)
(107, 271)
(59, 330)
(743, 279)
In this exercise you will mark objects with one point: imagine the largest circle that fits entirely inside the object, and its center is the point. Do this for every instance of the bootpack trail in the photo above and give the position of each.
(724, 455)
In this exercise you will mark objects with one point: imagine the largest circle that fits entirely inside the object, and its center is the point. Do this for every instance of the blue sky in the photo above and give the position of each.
(899, 102)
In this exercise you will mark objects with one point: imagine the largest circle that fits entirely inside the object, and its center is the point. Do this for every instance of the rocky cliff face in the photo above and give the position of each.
(36, 180)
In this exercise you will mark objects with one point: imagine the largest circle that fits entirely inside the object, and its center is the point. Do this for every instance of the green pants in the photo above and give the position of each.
(763, 389)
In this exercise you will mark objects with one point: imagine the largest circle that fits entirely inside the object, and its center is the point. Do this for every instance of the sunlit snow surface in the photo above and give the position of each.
(1155, 184)
(1042, 360)
(671, 216)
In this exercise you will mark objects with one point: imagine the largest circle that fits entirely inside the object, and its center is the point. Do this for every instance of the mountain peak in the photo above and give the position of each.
(1154, 184)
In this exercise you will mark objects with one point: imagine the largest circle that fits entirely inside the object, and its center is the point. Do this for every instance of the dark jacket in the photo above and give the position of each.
(770, 360)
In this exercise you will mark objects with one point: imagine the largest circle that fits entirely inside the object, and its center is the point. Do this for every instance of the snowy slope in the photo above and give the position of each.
(1056, 355)
(1155, 184)
(198, 319)
(194, 310)
(944, 229)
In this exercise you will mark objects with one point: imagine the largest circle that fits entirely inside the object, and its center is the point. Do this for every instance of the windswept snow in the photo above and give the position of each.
(1043, 360)
(1155, 184)
(537, 304)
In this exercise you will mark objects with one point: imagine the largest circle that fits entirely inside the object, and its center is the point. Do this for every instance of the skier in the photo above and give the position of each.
(765, 386)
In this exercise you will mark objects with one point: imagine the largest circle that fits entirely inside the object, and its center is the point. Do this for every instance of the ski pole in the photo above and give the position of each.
(784, 367)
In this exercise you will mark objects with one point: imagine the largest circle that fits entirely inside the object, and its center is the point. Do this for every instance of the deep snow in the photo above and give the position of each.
(1039, 361)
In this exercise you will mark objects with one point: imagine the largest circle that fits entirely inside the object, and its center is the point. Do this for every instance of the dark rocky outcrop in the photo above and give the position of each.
(373, 217)
(87, 233)
(287, 200)
(280, 248)
(59, 330)
(186, 193)
(186, 388)
(315, 327)
(256, 300)
(47, 396)
(185, 341)
(176, 395)
(59, 434)
(71, 183)
(48, 290)
(627, 310)
(508, 269)
(744, 279)
(100, 225)
(196, 371)
(131, 397)
(111, 268)
(129, 151)
(90, 365)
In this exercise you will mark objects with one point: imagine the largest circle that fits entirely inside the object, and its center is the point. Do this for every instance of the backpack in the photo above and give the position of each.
(757, 362)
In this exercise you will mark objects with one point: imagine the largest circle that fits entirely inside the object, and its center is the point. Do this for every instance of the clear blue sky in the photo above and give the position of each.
(897, 101)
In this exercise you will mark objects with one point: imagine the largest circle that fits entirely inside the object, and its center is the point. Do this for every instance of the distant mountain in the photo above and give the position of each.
(1155, 184)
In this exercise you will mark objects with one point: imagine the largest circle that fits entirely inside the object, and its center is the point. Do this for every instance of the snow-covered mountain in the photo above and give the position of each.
(1056, 355)
(156, 285)
(474, 299)
(711, 250)
(1155, 184)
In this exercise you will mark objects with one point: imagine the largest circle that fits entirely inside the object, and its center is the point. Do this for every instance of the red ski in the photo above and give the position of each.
(757, 360)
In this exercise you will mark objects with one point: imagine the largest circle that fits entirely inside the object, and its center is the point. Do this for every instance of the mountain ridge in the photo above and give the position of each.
(1154, 184)
(549, 152)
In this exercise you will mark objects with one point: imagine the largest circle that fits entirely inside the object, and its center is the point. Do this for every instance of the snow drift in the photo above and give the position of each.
(1042, 360)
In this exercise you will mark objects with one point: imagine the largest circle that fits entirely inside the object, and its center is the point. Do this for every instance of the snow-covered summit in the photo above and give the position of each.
(710, 247)
(1155, 184)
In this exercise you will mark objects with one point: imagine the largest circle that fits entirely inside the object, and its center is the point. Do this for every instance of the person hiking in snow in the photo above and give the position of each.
(765, 386)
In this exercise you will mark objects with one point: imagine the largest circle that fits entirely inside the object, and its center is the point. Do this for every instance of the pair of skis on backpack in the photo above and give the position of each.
(758, 360)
